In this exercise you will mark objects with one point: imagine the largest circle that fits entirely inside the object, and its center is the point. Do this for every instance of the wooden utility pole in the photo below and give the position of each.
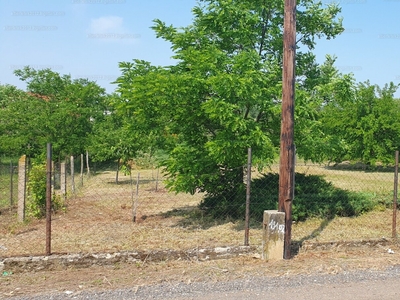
(287, 151)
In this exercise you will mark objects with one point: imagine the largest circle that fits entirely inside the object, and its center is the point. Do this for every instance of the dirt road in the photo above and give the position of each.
(351, 273)
(383, 289)
(383, 285)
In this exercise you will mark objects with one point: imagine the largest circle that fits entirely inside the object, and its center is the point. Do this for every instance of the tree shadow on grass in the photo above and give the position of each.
(314, 197)
(297, 244)
(194, 218)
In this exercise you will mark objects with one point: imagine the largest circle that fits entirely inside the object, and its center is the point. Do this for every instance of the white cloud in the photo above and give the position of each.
(110, 29)
(110, 24)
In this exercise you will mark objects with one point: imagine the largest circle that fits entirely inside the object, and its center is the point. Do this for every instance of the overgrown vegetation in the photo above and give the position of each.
(314, 197)
(36, 205)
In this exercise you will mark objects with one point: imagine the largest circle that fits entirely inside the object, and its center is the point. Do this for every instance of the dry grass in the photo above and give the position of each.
(349, 177)
(99, 219)
(372, 225)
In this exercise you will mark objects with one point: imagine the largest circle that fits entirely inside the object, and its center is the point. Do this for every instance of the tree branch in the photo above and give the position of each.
(247, 112)
(264, 29)
(259, 116)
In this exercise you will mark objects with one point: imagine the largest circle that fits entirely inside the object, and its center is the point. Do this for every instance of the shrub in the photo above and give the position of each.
(36, 205)
(314, 197)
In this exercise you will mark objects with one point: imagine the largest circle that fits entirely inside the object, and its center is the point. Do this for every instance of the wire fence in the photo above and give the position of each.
(100, 209)
(8, 184)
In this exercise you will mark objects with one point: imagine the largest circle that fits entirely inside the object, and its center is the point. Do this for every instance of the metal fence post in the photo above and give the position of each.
(72, 175)
(136, 201)
(248, 190)
(396, 180)
(11, 185)
(48, 198)
(81, 174)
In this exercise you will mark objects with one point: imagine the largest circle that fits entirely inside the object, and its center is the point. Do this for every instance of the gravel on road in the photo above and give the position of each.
(364, 284)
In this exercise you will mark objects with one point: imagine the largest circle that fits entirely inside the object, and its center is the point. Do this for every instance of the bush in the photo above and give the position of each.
(314, 197)
(36, 205)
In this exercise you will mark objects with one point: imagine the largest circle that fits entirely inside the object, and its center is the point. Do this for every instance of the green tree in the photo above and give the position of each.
(327, 92)
(19, 119)
(110, 141)
(54, 109)
(224, 93)
(364, 125)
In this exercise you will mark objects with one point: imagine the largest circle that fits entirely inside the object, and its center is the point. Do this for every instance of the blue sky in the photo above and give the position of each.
(87, 38)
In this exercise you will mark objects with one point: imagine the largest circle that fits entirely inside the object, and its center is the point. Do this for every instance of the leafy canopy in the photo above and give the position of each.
(223, 94)
(55, 109)
(362, 124)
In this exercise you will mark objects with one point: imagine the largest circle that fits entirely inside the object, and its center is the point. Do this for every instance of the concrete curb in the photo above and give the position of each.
(84, 260)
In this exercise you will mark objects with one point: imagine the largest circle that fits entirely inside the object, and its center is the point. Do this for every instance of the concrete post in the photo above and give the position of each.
(21, 188)
(273, 235)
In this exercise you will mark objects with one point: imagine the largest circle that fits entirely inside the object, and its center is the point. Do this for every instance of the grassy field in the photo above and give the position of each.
(99, 218)
(350, 177)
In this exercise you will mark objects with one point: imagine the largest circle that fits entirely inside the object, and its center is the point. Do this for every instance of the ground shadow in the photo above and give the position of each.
(194, 218)
(314, 198)
(297, 244)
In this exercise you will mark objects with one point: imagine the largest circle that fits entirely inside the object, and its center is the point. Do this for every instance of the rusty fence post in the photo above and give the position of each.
(81, 174)
(48, 198)
(135, 201)
(11, 185)
(248, 190)
(72, 165)
(396, 180)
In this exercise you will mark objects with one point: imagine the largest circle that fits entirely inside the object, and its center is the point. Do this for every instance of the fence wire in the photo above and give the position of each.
(102, 210)
(8, 184)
